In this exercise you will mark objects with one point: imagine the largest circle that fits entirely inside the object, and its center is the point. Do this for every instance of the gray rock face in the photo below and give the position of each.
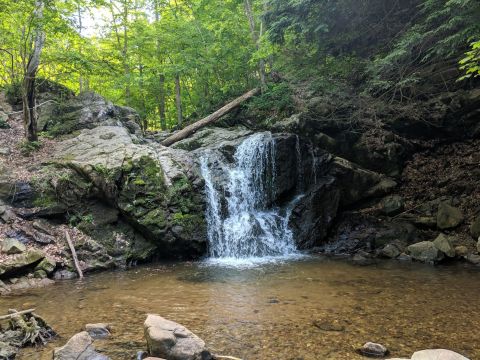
(448, 216)
(172, 341)
(425, 251)
(79, 347)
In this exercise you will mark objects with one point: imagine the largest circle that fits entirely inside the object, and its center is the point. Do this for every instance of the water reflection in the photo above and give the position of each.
(269, 311)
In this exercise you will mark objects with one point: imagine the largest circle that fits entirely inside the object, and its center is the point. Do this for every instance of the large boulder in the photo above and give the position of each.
(157, 190)
(79, 347)
(172, 341)
(425, 251)
(85, 111)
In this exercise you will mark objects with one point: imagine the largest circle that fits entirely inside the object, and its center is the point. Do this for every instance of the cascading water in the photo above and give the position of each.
(244, 225)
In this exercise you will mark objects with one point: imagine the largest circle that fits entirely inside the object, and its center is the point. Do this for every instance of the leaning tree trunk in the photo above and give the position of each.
(28, 97)
(191, 129)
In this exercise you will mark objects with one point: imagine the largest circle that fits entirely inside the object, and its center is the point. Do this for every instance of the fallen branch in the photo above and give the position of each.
(74, 255)
(221, 357)
(191, 129)
(10, 316)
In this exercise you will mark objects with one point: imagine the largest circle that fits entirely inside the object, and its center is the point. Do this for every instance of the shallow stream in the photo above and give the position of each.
(267, 311)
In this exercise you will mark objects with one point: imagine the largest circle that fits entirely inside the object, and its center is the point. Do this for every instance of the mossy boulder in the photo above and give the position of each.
(150, 185)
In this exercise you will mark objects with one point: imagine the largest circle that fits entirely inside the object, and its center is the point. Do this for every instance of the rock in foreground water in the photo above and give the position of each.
(79, 347)
(373, 350)
(172, 341)
(434, 354)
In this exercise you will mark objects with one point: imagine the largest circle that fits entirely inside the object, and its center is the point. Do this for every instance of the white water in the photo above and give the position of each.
(246, 229)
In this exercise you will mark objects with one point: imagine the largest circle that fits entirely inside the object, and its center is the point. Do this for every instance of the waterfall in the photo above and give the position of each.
(245, 224)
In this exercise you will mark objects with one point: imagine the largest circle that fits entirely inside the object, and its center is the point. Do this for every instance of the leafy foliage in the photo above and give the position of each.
(471, 63)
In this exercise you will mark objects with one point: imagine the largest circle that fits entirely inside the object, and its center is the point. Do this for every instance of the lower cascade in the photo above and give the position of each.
(241, 220)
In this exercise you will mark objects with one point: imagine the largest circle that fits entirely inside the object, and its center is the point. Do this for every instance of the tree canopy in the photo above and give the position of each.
(175, 61)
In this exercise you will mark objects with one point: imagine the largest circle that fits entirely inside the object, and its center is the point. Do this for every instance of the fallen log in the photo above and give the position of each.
(74, 255)
(13, 314)
(191, 129)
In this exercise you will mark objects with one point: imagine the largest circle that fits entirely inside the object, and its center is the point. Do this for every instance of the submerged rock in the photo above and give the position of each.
(79, 347)
(173, 341)
(98, 331)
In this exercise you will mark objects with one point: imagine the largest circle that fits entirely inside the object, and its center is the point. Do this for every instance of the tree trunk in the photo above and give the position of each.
(161, 77)
(28, 96)
(191, 129)
(161, 102)
(256, 38)
(178, 100)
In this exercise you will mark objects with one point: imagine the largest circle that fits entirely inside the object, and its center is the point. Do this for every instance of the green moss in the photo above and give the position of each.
(45, 200)
(191, 223)
(155, 218)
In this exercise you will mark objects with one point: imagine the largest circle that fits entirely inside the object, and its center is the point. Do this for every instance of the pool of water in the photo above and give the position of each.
(268, 311)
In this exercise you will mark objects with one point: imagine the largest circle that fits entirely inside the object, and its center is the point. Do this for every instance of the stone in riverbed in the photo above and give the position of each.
(64, 275)
(98, 331)
(79, 347)
(371, 349)
(425, 251)
(173, 341)
(448, 216)
(444, 244)
(12, 246)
